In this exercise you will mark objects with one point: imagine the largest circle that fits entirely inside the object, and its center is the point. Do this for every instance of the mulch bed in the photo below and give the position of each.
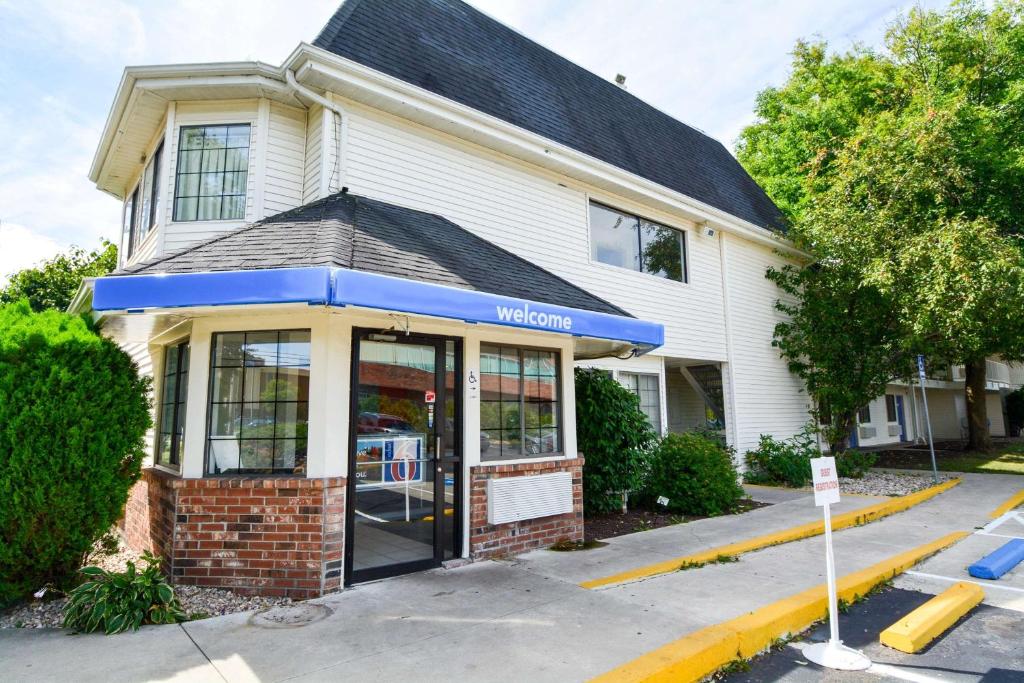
(618, 524)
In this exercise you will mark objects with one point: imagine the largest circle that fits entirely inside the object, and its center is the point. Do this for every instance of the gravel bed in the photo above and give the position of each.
(197, 602)
(876, 483)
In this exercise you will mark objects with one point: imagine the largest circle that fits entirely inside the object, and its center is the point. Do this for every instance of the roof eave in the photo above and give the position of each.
(136, 79)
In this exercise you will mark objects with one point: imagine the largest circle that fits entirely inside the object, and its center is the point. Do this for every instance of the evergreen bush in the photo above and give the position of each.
(696, 474)
(614, 436)
(73, 414)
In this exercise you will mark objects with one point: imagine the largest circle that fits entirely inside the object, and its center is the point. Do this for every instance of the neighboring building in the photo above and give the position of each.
(362, 280)
(898, 416)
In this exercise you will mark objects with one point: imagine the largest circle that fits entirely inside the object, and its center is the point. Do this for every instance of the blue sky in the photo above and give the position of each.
(60, 61)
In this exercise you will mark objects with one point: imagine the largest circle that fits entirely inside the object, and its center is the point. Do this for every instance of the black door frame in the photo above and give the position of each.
(440, 432)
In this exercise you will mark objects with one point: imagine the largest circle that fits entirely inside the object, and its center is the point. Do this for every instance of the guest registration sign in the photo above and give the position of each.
(832, 654)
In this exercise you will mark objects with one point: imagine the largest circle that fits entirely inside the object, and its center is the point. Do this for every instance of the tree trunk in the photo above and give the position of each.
(979, 438)
(841, 433)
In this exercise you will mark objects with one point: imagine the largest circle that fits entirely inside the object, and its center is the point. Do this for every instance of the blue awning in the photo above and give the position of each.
(343, 287)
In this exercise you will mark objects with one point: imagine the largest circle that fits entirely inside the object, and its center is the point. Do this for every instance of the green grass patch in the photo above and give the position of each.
(720, 559)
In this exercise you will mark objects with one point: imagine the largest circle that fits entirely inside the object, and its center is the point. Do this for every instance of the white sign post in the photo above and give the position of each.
(832, 654)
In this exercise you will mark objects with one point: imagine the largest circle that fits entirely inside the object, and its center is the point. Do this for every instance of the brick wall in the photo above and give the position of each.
(490, 540)
(148, 522)
(275, 537)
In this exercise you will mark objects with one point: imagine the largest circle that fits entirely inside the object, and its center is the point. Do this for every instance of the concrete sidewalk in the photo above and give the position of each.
(508, 621)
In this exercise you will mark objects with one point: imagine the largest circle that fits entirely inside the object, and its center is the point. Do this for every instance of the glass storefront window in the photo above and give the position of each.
(519, 402)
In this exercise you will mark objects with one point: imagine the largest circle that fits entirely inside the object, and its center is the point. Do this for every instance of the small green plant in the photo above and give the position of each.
(644, 525)
(782, 461)
(843, 605)
(696, 474)
(719, 559)
(736, 666)
(118, 601)
(854, 464)
(109, 544)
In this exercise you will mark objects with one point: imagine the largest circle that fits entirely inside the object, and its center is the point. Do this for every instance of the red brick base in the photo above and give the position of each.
(490, 540)
(276, 537)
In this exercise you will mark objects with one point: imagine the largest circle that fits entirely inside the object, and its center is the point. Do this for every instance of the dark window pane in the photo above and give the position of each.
(662, 249)
(256, 454)
(261, 348)
(292, 384)
(260, 384)
(225, 419)
(294, 349)
(233, 206)
(490, 415)
(257, 421)
(208, 209)
(613, 238)
(227, 348)
(291, 420)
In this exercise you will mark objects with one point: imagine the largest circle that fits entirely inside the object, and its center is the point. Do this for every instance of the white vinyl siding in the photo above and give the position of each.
(314, 152)
(521, 208)
(768, 399)
(286, 149)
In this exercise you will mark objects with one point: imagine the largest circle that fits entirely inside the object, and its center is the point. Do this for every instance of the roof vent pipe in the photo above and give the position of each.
(340, 117)
(620, 81)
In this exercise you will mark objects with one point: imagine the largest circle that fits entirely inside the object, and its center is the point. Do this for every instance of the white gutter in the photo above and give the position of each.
(329, 105)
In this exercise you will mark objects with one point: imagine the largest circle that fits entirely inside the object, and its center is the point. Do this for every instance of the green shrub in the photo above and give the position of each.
(117, 601)
(854, 464)
(696, 474)
(615, 438)
(73, 413)
(782, 461)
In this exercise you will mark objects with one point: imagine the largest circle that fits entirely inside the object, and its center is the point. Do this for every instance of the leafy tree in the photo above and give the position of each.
(54, 284)
(841, 337)
(73, 414)
(903, 170)
(614, 436)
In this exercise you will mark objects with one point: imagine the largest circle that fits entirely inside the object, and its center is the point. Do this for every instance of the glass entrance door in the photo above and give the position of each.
(405, 457)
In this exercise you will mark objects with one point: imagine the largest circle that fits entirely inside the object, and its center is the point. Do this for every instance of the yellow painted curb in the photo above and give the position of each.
(933, 618)
(843, 521)
(703, 652)
(1010, 503)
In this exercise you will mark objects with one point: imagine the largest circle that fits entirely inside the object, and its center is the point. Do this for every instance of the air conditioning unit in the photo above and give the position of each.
(894, 430)
(867, 432)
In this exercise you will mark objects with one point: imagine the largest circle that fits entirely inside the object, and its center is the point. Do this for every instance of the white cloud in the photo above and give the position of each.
(21, 248)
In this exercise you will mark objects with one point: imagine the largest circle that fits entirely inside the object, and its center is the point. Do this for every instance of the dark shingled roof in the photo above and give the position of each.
(453, 50)
(349, 231)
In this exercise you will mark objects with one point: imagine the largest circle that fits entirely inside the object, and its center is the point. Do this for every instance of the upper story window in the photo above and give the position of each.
(171, 437)
(150, 188)
(142, 205)
(864, 415)
(128, 225)
(628, 241)
(213, 165)
(519, 402)
(259, 402)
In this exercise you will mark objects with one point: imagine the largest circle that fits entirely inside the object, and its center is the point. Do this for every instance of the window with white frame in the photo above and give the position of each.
(646, 388)
(627, 241)
(212, 172)
(519, 402)
(129, 224)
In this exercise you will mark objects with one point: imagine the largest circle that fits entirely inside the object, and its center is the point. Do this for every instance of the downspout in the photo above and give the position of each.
(338, 111)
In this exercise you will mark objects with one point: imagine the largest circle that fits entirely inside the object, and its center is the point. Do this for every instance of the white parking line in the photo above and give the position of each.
(953, 580)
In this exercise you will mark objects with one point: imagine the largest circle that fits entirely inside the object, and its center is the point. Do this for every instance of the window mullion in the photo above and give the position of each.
(522, 402)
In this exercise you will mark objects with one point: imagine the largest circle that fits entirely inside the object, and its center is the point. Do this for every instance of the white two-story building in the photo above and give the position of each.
(362, 279)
